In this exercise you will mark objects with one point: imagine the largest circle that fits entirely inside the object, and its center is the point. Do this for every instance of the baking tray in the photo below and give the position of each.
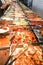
(19, 48)
(4, 41)
(37, 22)
(4, 53)
(20, 29)
(37, 31)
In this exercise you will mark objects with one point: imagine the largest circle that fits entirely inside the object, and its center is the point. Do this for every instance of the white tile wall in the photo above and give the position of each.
(38, 7)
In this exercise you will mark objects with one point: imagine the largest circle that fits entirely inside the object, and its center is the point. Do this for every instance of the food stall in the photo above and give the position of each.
(21, 36)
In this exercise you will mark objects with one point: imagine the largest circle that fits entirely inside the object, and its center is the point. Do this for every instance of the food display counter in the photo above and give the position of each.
(21, 36)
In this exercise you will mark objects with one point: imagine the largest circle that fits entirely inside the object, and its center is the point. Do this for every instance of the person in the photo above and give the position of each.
(1, 10)
(3, 6)
(28, 3)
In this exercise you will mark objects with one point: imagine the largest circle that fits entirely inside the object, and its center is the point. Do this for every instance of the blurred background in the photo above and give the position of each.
(35, 5)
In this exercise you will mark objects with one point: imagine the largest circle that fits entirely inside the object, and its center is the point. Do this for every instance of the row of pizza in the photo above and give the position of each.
(17, 30)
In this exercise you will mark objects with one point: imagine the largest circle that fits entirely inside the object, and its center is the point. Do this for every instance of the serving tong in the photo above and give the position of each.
(10, 63)
(9, 58)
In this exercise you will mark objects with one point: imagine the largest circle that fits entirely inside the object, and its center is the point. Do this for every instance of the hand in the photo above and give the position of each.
(11, 3)
(3, 6)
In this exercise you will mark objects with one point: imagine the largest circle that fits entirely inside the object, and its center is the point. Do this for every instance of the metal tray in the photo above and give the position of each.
(37, 31)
